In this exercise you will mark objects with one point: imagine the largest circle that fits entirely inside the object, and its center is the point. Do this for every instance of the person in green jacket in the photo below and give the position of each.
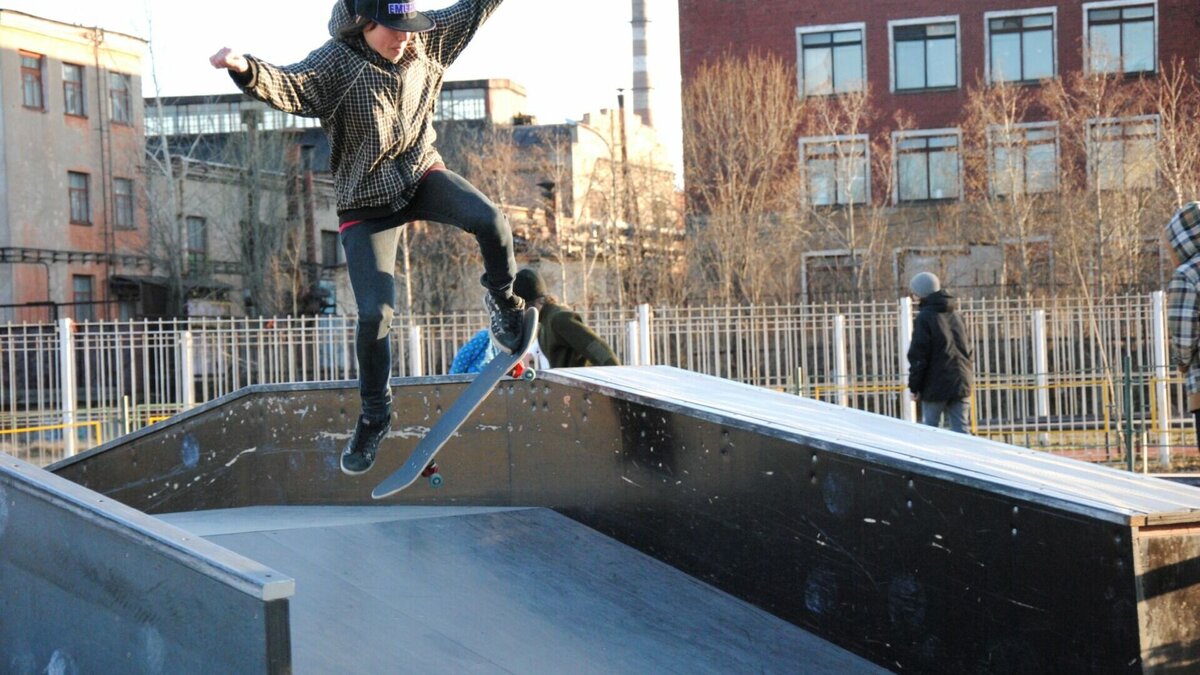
(563, 338)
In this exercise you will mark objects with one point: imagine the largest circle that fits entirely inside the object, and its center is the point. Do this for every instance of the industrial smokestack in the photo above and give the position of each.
(641, 67)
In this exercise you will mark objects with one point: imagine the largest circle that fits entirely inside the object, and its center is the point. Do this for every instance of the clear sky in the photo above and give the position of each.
(570, 55)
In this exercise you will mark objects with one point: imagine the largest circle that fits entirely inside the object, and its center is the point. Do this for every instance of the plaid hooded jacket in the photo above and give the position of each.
(377, 115)
(1183, 298)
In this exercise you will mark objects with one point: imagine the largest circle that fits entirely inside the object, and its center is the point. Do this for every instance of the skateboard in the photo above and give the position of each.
(420, 463)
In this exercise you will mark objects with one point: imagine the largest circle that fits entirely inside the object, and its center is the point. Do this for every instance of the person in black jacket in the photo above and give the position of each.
(940, 369)
(563, 338)
(374, 85)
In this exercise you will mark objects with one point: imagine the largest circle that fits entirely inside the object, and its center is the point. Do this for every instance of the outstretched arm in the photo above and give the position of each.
(227, 59)
(456, 25)
(299, 89)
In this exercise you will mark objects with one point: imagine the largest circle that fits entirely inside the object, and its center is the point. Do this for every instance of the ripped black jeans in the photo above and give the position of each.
(442, 197)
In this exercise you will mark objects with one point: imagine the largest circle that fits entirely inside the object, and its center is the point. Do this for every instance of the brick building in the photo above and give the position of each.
(890, 43)
(921, 58)
(70, 167)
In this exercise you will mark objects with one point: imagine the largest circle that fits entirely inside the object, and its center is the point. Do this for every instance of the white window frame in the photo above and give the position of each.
(897, 136)
(1025, 125)
(987, 36)
(854, 138)
(828, 28)
(1132, 119)
(891, 26)
(1108, 4)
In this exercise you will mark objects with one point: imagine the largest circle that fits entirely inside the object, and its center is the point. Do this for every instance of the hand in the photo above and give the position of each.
(916, 396)
(230, 61)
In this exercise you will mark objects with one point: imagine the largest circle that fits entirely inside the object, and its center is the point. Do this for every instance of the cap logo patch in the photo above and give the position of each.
(400, 7)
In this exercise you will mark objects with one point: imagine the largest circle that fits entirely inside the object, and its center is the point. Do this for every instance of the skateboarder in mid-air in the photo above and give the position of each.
(374, 85)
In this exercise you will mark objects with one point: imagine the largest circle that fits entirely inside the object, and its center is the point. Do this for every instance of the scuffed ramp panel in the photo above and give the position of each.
(459, 590)
(88, 585)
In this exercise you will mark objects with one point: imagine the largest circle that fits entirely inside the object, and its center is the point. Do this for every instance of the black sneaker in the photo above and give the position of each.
(359, 455)
(506, 319)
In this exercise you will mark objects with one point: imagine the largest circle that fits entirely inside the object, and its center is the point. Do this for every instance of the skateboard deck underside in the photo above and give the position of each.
(458, 412)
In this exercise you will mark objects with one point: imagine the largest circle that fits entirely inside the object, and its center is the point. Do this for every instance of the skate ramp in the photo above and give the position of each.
(914, 547)
(498, 590)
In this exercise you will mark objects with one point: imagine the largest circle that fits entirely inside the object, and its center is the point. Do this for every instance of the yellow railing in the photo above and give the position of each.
(96, 427)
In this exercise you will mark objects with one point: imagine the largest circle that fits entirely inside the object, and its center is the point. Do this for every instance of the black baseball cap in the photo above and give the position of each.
(395, 15)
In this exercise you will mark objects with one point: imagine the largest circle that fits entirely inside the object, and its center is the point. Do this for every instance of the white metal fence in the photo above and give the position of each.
(1050, 373)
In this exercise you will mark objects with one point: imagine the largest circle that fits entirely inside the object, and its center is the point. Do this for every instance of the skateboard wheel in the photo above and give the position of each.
(529, 375)
(436, 480)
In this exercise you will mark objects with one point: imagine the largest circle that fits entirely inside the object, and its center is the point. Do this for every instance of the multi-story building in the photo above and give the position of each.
(70, 168)
(566, 188)
(923, 61)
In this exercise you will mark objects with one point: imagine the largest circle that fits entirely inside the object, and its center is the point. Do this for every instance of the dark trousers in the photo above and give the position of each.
(442, 197)
(1196, 424)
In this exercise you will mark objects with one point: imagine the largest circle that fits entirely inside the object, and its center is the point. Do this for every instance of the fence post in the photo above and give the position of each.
(1161, 404)
(841, 375)
(1127, 405)
(1041, 372)
(632, 343)
(415, 366)
(66, 368)
(645, 358)
(908, 407)
(187, 371)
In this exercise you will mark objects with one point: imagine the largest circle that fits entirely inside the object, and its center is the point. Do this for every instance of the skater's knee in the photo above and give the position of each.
(490, 223)
(376, 319)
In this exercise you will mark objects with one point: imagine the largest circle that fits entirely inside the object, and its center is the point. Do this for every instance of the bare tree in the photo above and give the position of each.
(1108, 176)
(262, 224)
(1010, 163)
(741, 121)
(847, 178)
(1176, 97)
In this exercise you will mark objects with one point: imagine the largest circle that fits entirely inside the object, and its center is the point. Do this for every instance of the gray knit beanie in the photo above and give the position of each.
(924, 284)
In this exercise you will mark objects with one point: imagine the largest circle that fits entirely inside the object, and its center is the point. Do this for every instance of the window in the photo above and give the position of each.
(1020, 47)
(123, 203)
(831, 59)
(197, 242)
(1120, 37)
(461, 104)
(83, 297)
(330, 245)
(927, 166)
(118, 95)
(835, 170)
(77, 186)
(31, 81)
(1121, 152)
(73, 100)
(1024, 159)
(924, 54)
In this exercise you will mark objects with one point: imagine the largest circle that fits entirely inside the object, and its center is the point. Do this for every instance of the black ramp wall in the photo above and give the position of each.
(918, 548)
